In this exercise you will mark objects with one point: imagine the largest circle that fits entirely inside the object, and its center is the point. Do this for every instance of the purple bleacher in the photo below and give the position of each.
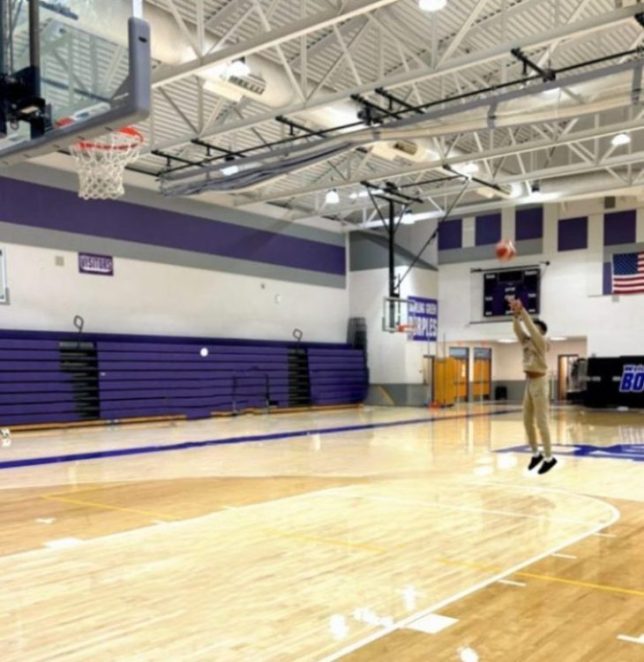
(337, 376)
(58, 377)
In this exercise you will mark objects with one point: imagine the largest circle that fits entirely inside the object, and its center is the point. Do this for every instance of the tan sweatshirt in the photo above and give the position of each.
(534, 344)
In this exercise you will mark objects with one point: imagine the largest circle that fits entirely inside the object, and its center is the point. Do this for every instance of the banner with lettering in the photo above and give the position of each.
(423, 314)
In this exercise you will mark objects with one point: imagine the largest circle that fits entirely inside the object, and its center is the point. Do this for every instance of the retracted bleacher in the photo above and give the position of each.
(50, 378)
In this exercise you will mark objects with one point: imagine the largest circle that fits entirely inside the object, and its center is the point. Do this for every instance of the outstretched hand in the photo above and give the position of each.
(516, 306)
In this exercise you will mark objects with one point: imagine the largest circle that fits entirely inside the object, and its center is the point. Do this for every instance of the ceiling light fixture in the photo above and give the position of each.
(238, 68)
(230, 170)
(332, 197)
(408, 218)
(467, 169)
(620, 139)
(432, 5)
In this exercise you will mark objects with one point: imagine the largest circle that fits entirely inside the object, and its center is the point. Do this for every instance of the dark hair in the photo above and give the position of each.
(542, 325)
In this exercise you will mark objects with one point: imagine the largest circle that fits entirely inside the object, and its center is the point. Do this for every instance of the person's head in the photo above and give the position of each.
(542, 326)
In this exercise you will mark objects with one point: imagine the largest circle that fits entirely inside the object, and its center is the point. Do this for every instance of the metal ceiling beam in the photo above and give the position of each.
(501, 51)
(266, 40)
(561, 171)
(499, 152)
(463, 32)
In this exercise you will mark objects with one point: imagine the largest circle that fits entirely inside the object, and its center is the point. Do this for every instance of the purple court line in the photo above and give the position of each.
(186, 445)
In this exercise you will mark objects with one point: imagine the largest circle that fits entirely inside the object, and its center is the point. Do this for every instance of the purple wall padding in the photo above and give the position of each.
(450, 234)
(488, 229)
(620, 227)
(572, 234)
(607, 286)
(529, 223)
(55, 209)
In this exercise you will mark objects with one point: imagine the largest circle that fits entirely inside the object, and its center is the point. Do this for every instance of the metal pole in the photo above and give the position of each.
(392, 250)
(4, 38)
(34, 34)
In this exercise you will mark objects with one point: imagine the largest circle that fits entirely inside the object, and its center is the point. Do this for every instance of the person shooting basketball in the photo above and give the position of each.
(535, 400)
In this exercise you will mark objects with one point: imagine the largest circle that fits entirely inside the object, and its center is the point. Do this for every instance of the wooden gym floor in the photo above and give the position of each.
(418, 541)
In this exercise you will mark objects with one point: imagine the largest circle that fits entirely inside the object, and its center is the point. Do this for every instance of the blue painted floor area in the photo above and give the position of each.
(187, 445)
(633, 452)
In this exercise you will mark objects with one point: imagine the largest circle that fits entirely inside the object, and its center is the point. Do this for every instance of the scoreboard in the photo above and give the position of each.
(521, 284)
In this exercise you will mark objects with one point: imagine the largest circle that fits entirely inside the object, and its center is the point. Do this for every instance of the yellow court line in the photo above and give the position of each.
(548, 578)
(575, 582)
(104, 506)
(97, 488)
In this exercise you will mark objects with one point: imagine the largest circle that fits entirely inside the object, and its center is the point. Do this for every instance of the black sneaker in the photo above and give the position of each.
(535, 461)
(547, 465)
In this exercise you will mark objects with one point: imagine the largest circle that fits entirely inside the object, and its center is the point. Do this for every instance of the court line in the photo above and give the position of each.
(510, 582)
(104, 506)
(361, 643)
(467, 509)
(576, 454)
(272, 532)
(245, 439)
(153, 528)
(578, 582)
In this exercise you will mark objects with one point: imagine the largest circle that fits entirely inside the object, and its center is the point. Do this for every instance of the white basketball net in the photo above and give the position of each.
(101, 163)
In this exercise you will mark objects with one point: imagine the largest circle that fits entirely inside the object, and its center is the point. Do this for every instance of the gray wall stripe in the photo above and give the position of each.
(30, 172)
(67, 241)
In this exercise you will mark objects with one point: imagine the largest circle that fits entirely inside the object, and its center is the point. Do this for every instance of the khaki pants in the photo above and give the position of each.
(535, 410)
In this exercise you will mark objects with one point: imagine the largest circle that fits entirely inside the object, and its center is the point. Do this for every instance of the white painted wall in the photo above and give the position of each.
(571, 294)
(151, 298)
(393, 359)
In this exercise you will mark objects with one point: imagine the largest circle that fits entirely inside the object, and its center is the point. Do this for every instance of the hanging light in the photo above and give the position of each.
(468, 168)
(408, 218)
(620, 139)
(332, 197)
(432, 5)
(238, 68)
(231, 169)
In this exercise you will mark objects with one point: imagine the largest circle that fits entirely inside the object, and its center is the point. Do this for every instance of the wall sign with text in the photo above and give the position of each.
(423, 314)
(99, 265)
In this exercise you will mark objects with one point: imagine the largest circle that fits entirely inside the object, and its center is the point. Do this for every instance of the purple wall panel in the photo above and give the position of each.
(529, 223)
(450, 234)
(620, 227)
(54, 209)
(572, 234)
(487, 229)
(607, 287)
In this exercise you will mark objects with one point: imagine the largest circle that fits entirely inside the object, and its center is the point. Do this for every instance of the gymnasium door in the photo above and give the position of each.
(482, 382)
(462, 356)
(564, 375)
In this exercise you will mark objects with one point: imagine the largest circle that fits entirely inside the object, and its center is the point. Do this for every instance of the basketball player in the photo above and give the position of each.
(535, 400)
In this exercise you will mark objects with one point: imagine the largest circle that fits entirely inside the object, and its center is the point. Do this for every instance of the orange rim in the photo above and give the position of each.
(128, 132)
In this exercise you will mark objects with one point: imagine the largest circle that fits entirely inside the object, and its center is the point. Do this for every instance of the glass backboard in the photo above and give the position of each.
(93, 62)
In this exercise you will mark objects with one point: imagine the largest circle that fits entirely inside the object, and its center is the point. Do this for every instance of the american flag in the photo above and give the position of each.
(628, 273)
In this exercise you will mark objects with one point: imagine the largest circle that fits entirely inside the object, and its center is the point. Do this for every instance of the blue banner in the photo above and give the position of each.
(423, 314)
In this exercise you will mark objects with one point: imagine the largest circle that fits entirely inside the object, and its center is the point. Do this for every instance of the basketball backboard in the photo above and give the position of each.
(395, 314)
(70, 69)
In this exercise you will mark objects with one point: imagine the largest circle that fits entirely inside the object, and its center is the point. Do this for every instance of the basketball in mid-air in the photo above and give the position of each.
(505, 250)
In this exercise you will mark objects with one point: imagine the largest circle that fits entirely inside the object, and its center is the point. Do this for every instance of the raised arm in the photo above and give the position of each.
(518, 331)
(533, 330)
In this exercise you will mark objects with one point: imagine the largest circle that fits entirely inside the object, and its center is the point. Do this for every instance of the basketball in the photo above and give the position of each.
(505, 250)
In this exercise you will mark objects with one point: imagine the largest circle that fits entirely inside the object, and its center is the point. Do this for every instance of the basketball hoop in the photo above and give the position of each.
(101, 163)
(409, 329)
